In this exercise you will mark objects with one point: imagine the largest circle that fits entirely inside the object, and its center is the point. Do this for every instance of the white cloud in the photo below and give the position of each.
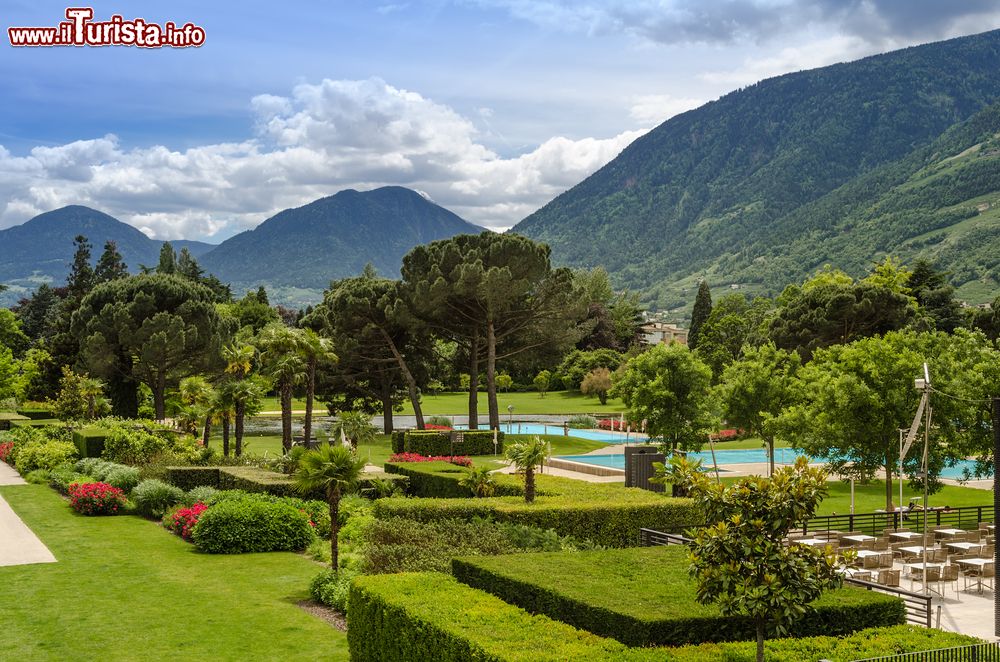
(816, 53)
(654, 109)
(319, 139)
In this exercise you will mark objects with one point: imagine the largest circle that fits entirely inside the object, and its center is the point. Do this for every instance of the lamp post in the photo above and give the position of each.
(510, 419)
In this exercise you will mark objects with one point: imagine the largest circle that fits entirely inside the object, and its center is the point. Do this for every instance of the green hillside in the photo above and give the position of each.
(718, 190)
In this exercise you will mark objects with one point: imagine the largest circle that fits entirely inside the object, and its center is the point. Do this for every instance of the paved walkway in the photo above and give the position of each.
(18, 545)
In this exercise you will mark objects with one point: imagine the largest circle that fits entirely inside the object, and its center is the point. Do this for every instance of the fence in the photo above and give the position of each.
(989, 652)
(918, 606)
(966, 517)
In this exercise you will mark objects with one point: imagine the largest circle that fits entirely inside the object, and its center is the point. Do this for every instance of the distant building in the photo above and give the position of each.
(662, 333)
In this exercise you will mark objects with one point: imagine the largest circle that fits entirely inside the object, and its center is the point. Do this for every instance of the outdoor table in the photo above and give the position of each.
(916, 550)
(919, 568)
(864, 553)
(904, 535)
(965, 546)
(990, 527)
(813, 542)
(948, 533)
(975, 563)
(860, 538)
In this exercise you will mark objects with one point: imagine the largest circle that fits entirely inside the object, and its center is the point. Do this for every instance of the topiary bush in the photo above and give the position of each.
(252, 525)
(187, 478)
(153, 498)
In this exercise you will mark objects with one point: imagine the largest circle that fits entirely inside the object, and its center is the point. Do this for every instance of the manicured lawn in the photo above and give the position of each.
(457, 404)
(124, 588)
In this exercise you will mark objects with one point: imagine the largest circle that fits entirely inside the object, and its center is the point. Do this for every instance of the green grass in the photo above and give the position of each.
(457, 404)
(124, 588)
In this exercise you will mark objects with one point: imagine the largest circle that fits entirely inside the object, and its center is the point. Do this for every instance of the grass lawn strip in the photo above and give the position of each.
(126, 589)
(644, 597)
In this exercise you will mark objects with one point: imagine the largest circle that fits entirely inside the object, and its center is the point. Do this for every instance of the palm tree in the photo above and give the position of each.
(92, 390)
(224, 409)
(333, 469)
(356, 427)
(480, 482)
(314, 349)
(281, 361)
(198, 395)
(246, 396)
(526, 455)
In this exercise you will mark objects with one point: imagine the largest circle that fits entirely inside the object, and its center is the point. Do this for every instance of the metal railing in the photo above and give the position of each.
(965, 517)
(919, 610)
(988, 652)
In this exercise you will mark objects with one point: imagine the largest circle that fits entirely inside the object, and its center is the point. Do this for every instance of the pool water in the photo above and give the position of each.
(592, 435)
(743, 456)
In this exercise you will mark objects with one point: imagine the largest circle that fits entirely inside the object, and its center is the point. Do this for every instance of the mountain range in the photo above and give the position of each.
(768, 183)
(295, 253)
(895, 154)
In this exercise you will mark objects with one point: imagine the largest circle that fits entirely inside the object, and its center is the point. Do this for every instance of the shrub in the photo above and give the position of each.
(442, 422)
(124, 478)
(153, 498)
(134, 445)
(440, 443)
(43, 455)
(443, 479)
(460, 460)
(187, 478)
(5, 449)
(581, 422)
(331, 588)
(39, 477)
(201, 493)
(397, 440)
(602, 593)
(182, 520)
(95, 498)
(252, 525)
(89, 441)
(63, 476)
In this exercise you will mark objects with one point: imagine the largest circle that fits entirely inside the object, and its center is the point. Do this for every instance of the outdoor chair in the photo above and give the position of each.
(870, 563)
(938, 555)
(888, 577)
(917, 575)
(881, 545)
(885, 560)
(949, 574)
(989, 551)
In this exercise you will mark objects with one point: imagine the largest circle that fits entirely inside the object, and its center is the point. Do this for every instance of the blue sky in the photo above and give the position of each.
(490, 107)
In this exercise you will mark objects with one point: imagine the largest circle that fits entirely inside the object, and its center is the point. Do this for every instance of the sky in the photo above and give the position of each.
(490, 108)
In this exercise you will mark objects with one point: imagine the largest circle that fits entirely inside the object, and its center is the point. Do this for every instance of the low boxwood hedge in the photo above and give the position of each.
(187, 478)
(432, 617)
(397, 441)
(252, 479)
(439, 442)
(36, 413)
(644, 597)
(90, 441)
(441, 480)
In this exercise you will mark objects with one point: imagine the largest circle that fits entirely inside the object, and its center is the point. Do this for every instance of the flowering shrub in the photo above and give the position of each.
(617, 424)
(95, 498)
(5, 449)
(460, 460)
(433, 426)
(182, 521)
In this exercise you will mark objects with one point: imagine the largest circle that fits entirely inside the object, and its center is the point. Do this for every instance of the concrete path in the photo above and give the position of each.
(18, 545)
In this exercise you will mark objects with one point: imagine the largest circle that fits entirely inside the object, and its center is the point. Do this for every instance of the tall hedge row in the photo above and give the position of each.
(439, 442)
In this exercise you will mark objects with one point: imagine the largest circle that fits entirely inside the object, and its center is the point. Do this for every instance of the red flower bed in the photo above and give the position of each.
(95, 498)
(183, 521)
(431, 426)
(722, 435)
(460, 460)
(5, 450)
(616, 424)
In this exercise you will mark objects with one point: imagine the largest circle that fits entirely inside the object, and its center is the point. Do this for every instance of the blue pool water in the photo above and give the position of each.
(593, 435)
(744, 456)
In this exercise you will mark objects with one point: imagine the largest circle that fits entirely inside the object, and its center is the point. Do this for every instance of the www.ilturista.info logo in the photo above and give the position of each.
(81, 30)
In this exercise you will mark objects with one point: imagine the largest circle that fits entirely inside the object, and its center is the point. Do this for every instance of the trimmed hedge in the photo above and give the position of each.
(187, 478)
(430, 616)
(644, 597)
(433, 442)
(248, 525)
(90, 441)
(613, 521)
(252, 479)
(441, 479)
(397, 440)
(36, 413)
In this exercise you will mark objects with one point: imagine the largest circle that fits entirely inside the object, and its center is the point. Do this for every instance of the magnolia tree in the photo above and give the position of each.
(740, 560)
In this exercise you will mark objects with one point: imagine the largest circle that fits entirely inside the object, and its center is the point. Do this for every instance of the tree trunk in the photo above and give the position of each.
(240, 414)
(225, 434)
(286, 416)
(411, 383)
(760, 641)
(888, 482)
(207, 431)
(603, 397)
(491, 376)
(386, 407)
(529, 485)
(333, 497)
(770, 455)
(474, 382)
(159, 397)
(310, 391)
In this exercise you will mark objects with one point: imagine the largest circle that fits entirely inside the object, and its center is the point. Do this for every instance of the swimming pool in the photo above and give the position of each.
(593, 435)
(743, 456)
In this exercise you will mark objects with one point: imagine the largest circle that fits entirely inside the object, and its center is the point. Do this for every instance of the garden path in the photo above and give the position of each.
(18, 544)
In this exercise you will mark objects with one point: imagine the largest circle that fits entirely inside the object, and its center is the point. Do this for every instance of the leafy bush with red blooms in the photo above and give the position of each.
(460, 460)
(182, 521)
(5, 449)
(433, 426)
(95, 498)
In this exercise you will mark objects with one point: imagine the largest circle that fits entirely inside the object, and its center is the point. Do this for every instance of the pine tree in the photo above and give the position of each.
(110, 266)
(168, 259)
(262, 296)
(188, 267)
(81, 274)
(702, 309)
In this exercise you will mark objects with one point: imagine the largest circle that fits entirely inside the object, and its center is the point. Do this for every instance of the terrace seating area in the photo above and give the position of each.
(949, 559)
